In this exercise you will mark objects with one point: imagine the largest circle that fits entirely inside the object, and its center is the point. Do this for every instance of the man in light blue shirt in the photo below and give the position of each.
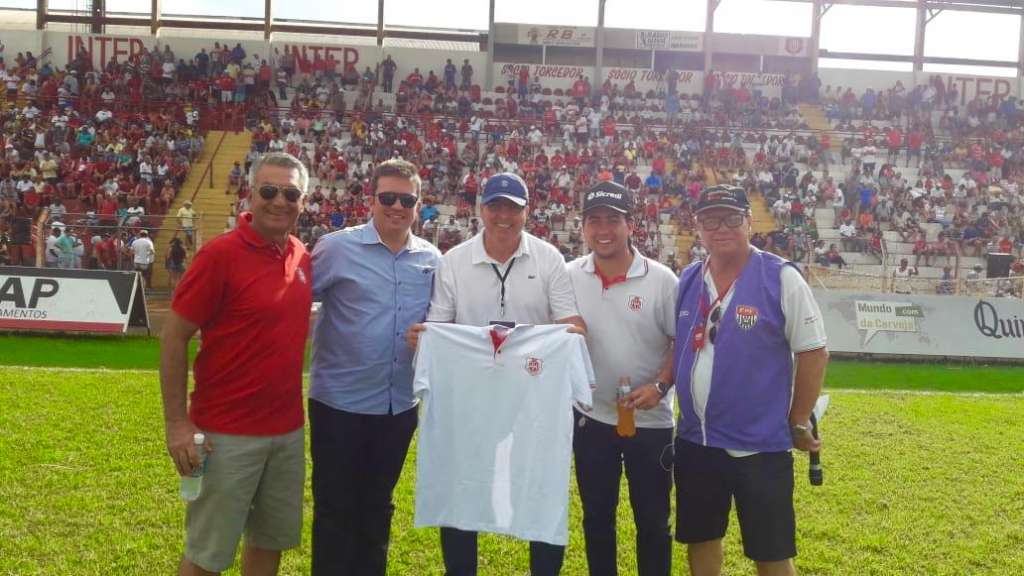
(374, 281)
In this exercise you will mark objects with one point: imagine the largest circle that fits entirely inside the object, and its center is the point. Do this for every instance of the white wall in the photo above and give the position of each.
(64, 46)
(968, 86)
(14, 41)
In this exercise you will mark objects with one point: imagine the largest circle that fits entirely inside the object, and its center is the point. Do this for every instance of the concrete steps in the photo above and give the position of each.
(211, 204)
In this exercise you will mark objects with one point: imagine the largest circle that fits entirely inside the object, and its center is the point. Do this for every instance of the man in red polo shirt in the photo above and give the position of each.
(249, 292)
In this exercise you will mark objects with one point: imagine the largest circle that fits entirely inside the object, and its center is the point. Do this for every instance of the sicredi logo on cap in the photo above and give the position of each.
(601, 194)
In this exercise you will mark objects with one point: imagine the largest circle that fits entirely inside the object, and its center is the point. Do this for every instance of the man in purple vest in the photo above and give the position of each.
(750, 359)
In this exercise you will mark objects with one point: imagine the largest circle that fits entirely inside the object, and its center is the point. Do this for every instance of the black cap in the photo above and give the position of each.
(723, 196)
(610, 195)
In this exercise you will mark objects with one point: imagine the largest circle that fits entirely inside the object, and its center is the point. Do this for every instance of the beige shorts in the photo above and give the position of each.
(253, 485)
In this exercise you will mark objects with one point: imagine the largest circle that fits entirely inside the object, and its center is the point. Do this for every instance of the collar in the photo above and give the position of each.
(250, 236)
(369, 235)
(639, 268)
(480, 255)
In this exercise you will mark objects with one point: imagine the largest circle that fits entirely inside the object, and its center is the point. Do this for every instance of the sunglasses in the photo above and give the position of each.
(716, 315)
(389, 199)
(291, 194)
(715, 222)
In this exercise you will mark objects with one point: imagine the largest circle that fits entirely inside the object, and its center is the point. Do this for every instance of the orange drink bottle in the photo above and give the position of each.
(627, 424)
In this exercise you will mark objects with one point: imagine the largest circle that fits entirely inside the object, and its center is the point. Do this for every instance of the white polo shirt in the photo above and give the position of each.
(630, 327)
(467, 288)
(495, 434)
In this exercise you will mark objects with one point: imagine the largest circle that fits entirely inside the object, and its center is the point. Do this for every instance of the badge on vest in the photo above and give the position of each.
(746, 317)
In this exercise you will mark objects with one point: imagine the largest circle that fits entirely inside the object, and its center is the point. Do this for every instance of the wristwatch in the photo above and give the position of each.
(663, 387)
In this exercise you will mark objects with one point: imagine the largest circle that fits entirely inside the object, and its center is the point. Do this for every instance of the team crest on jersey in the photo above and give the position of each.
(746, 317)
(635, 303)
(534, 366)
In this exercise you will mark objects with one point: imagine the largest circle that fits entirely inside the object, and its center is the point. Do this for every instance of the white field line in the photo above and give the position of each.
(922, 392)
(826, 391)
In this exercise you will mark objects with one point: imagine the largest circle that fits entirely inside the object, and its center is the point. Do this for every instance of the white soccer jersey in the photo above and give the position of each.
(496, 427)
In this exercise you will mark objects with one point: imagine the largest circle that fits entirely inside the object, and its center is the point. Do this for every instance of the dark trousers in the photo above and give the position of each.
(357, 459)
(458, 547)
(600, 454)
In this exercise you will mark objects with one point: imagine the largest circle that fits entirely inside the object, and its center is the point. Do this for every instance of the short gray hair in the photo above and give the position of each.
(284, 160)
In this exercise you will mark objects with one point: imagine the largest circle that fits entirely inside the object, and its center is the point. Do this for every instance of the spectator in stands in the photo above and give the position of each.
(467, 74)
(901, 277)
(143, 254)
(175, 263)
(186, 221)
(697, 251)
(849, 237)
(947, 284)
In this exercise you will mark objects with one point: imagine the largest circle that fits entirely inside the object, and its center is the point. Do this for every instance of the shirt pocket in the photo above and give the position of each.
(416, 283)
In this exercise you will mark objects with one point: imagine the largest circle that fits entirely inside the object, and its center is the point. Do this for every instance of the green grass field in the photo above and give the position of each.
(928, 484)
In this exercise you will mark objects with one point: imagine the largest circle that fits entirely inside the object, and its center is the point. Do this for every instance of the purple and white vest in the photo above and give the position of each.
(752, 374)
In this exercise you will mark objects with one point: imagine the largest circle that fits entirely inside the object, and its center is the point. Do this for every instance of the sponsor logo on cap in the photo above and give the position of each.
(601, 194)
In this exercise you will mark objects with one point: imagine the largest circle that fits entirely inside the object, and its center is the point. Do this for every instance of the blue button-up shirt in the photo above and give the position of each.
(369, 297)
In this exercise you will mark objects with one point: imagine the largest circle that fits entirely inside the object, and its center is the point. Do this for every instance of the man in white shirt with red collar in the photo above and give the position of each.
(628, 302)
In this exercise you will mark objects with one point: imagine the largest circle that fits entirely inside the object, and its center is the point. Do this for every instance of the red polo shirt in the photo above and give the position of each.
(251, 300)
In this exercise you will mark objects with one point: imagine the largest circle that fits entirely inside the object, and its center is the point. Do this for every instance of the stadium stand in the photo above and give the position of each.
(849, 184)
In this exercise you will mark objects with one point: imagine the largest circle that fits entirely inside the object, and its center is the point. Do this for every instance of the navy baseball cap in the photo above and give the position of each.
(723, 196)
(610, 195)
(505, 185)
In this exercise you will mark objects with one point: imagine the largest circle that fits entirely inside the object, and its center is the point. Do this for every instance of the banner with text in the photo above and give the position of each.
(70, 300)
(549, 75)
(556, 35)
(666, 40)
(923, 325)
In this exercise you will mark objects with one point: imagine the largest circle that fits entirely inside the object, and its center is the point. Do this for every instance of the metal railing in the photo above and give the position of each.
(828, 278)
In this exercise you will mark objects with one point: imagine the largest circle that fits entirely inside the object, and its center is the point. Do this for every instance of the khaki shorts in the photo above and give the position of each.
(253, 484)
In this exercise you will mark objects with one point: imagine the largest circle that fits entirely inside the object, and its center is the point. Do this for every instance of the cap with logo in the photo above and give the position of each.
(505, 185)
(609, 195)
(723, 196)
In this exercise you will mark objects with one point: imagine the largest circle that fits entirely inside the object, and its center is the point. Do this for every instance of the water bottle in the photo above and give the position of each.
(192, 484)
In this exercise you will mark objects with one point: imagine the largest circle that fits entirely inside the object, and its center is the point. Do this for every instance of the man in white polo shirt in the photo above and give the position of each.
(501, 275)
(628, 302)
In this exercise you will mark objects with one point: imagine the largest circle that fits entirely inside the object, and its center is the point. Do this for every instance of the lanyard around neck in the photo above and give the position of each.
(502, 278)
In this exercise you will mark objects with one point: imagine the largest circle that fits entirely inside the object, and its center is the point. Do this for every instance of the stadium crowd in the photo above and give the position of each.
(69, 151)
